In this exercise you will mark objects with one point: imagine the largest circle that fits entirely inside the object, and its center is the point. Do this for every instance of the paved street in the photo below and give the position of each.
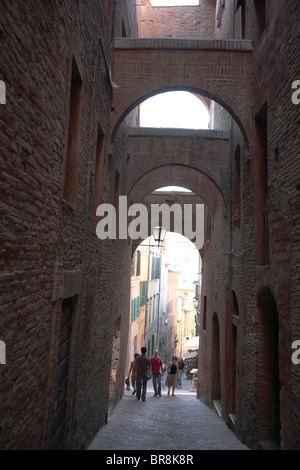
(165, 423)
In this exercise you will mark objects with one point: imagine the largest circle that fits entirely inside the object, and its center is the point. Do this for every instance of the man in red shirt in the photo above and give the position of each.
(156, 367)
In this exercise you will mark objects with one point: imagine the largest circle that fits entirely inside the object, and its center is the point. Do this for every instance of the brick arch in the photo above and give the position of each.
(216, 389)
(176, 175)
(204, 100)
(148, 94)
(203, 151)
(219, 70)
(152, 199)
(175, 205)
(171, 166)
(267, 367)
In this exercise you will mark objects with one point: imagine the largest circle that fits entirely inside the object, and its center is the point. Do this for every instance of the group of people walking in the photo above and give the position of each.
(142, 368)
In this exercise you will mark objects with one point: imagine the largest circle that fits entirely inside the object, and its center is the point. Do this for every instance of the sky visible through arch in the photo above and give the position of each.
(174, 3)
(174, 109)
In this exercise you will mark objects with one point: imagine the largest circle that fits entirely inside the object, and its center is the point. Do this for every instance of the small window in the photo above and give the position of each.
(261, 186)
(235, 305)
(124, 35)
(204, 312)
(259, 18)
(241, 9)
(220, 8)
(98, 177)
(73, 146)
(117, 191)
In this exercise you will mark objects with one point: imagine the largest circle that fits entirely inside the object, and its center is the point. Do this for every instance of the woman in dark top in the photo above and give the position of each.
(172, 371)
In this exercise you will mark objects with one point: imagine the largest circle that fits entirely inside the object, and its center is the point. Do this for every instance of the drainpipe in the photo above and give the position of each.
(159, 294)
(148, 280)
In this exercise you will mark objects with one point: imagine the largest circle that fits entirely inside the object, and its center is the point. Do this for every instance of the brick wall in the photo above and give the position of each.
(50, 254)
(188, 21)
(47, 256)
(273, 48)
(292, 155)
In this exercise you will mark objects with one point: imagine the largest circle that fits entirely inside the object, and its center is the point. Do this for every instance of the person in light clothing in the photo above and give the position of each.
(172, 375)
(133, 371)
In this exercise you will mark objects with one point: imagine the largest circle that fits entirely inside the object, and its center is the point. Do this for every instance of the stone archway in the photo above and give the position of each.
(204, 192)
(177, 175)
(204, 151)
(267, 368)
(218, 69)
(215, 363)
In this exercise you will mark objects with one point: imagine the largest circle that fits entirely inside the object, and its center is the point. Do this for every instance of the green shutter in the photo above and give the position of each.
(143, 293)
(153, 268)
(157, 268)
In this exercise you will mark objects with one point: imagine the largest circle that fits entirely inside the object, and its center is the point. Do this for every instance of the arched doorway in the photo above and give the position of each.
(233, 356)
(267, 368)
(215, 365)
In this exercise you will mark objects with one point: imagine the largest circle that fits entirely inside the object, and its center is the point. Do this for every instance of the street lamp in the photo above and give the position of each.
(159, 234)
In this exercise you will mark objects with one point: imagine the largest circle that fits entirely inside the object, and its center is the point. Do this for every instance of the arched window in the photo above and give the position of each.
(235, 306)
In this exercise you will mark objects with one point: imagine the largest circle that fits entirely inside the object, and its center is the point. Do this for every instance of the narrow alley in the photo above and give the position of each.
(165, 423)
(121, 230)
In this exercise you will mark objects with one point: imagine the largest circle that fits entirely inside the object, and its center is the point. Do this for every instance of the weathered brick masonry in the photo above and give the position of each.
(258, 391)
(48, 251)
(74, 74)
(177, 22)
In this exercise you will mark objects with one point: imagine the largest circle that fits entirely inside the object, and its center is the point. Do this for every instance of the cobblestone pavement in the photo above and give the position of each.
(165, 423)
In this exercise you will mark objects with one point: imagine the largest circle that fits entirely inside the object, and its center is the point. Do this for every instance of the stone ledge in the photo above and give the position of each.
(240, 45)
(174, 132)
(218, 407)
